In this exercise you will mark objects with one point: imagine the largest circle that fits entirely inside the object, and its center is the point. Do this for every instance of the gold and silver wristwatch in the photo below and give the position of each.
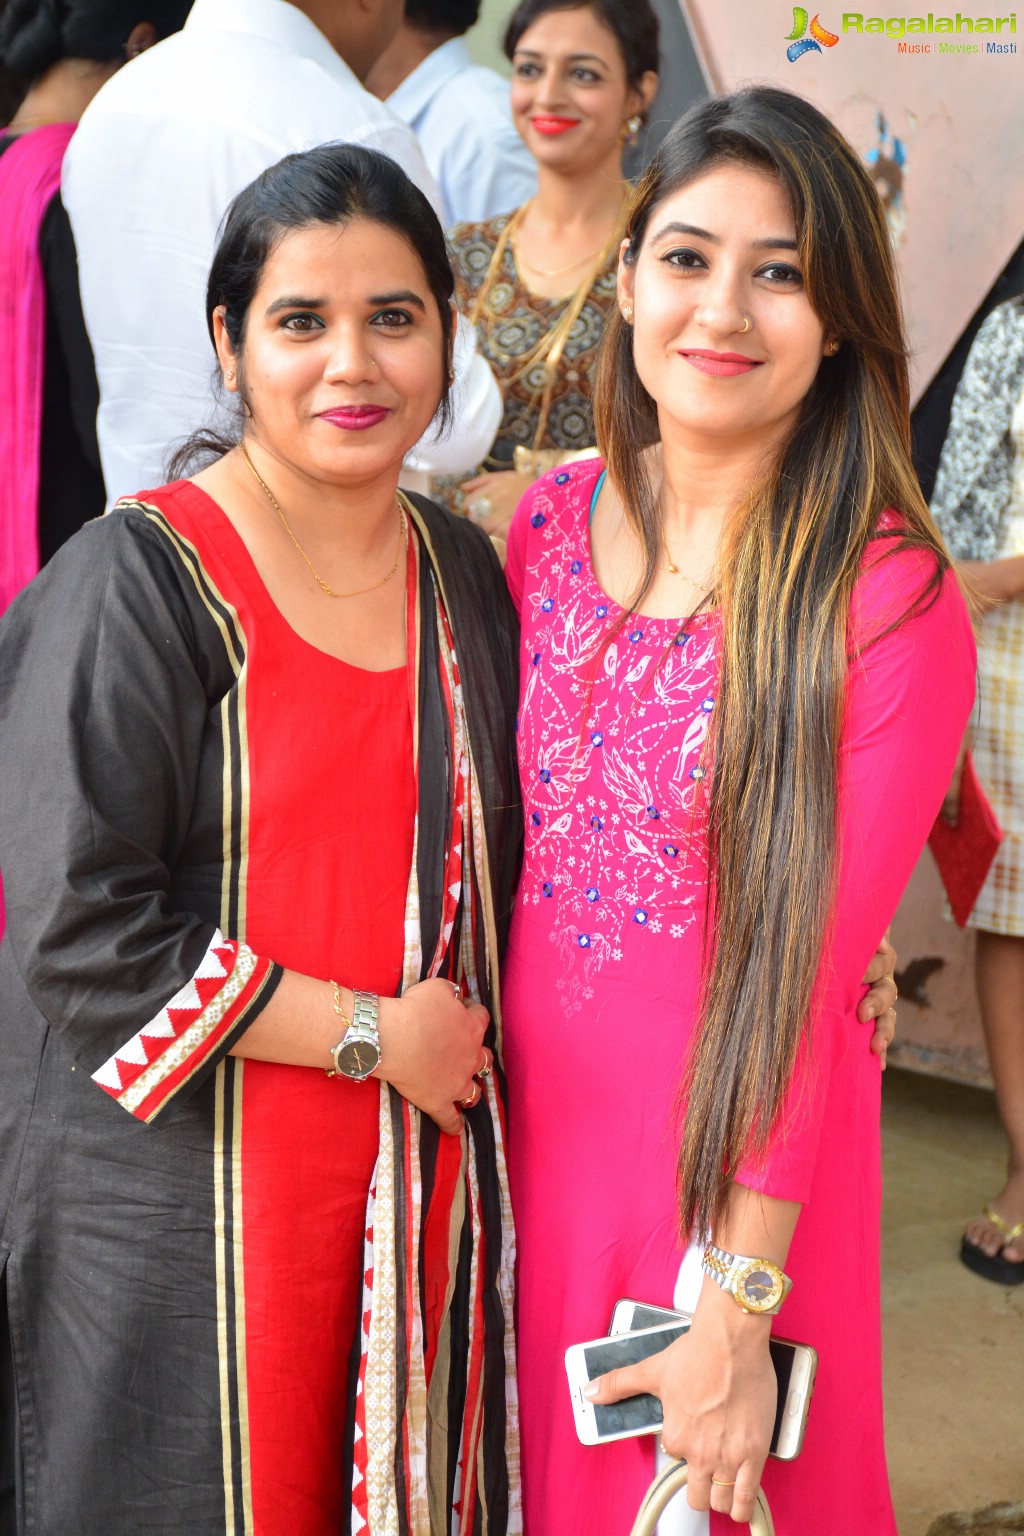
(357, 1053)
(755, 1285)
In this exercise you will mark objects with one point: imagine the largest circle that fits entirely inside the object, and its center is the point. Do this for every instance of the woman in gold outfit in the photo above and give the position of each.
(539, 282)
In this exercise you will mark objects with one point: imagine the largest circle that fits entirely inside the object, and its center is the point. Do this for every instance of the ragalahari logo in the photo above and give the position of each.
(799, 44)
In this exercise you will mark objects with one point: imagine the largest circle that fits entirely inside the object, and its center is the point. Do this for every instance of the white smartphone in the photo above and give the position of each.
(795, 1368)
(641, 1415)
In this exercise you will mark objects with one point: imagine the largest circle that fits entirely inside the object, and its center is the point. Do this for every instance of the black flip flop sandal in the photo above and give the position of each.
(993, 1266)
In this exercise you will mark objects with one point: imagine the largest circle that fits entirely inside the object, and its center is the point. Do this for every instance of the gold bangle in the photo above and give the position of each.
(343, 1016)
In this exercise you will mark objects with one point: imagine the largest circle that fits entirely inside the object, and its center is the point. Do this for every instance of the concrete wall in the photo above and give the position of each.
(485, 38)
(939, 1028)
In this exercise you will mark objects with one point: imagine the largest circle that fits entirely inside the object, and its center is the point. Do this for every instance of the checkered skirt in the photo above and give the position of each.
(999, 739)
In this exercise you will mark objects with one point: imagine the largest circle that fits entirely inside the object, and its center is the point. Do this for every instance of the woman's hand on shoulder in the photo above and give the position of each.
(431, 1047)
(880, 1002)
(491, 500)
(718, 1391)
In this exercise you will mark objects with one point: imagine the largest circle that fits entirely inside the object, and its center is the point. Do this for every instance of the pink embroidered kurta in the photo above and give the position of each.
(600, 988)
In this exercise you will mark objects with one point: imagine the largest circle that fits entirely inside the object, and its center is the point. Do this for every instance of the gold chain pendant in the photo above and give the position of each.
(328, 591)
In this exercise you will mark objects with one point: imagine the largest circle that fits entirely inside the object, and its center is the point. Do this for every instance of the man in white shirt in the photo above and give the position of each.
(158, 156)
(458, 110)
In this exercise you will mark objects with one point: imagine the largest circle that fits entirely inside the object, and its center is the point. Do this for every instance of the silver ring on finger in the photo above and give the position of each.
(480, 509)
(456, 990)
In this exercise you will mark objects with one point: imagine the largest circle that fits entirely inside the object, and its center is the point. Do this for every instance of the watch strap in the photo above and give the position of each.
(365, 1012)
(718, 1264)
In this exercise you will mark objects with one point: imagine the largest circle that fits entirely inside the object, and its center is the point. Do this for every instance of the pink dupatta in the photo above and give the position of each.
(29, 177)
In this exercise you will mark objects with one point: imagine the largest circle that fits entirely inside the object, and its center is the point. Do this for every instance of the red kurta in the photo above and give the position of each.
(331, 814)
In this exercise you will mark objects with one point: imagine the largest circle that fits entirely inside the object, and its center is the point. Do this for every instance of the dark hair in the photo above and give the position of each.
(633, 22)
(454, 16)
(36, 34)
(331, 184)
(790, 558)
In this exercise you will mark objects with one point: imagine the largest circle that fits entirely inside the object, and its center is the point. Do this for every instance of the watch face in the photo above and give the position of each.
(759, 1286)
(357, 1058)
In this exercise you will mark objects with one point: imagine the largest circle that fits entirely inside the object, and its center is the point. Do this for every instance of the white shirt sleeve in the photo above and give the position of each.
(477, 409)
(482, 179)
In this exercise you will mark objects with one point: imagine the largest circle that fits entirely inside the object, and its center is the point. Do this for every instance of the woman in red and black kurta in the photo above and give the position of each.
(242, 1296)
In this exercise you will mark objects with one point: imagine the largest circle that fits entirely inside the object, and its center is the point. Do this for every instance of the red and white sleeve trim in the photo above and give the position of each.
(149, 1068)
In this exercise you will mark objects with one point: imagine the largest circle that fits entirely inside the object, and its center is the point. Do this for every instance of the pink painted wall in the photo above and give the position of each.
(960, 119)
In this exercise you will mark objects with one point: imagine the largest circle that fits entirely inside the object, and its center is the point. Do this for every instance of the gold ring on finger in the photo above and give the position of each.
(722, 1482)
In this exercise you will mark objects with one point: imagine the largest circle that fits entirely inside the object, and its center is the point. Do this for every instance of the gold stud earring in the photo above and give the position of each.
(229, 377)
(627, 313)
(832, 348)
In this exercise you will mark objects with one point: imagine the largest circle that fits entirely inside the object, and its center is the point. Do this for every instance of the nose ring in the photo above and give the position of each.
(745, 327)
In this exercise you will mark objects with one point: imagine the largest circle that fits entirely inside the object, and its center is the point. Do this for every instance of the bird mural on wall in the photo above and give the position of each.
(913, 978)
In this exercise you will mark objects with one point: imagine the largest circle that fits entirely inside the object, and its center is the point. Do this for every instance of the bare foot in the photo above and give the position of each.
(1009, 1204)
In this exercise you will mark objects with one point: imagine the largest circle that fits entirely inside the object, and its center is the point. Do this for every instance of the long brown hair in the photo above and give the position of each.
(790, 557)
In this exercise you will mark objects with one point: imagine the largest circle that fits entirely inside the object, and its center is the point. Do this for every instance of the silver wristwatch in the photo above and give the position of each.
(357, 1053)
(756, 1285)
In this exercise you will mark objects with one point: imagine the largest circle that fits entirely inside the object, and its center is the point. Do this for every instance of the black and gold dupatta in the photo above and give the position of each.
(443, 1456)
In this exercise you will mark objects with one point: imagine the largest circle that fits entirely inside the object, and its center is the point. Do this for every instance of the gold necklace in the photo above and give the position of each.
(546, 353)
(328, 591)
(525, 261)
(673, 570)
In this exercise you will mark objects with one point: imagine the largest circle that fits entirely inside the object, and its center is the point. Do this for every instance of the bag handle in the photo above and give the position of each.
(672, 1481)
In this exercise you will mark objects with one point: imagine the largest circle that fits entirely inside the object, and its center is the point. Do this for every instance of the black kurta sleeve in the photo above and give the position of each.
(64, 305)
(108, 677)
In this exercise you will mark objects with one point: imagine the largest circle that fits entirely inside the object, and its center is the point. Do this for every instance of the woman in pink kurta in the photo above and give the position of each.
(600, 984)
(602, 989)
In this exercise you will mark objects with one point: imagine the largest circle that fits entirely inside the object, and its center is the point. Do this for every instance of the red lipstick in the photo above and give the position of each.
(355, 418)
(551, 125)
(720, 365)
